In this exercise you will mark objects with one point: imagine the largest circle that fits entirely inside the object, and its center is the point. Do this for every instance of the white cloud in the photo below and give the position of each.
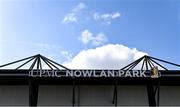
(70, 18)
(107, 18)
(73, 15)
(87, 36)
(67, 55)
(115, 15)
(110, 56)
(79, 7)
(99, 39)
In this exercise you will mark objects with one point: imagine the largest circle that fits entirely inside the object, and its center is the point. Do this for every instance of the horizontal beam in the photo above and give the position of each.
(92, 73)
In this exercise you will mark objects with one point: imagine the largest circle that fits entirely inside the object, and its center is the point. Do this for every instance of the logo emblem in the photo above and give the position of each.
(155, 72)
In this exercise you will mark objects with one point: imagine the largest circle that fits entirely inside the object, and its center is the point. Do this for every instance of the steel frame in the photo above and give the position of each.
(148, 62)
(33, 92)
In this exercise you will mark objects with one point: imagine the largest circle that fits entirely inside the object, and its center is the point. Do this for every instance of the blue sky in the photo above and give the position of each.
(55, 28)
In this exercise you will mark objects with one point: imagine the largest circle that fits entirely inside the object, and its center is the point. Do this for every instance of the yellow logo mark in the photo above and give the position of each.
(155, 72)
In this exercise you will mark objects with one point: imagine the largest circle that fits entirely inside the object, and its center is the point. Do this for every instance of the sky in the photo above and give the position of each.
(90, 33)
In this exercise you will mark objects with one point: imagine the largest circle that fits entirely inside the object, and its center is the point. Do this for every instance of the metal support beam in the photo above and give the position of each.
(132, 63)
(46, 63)
(18, 61)
(115, 93)
(33, 64)
(51, 61)
(79, 92)
(24, 63)
(142, 65)
(158, 92)
(73, 96)
(33, 92)
(159, 64)
(151, 95)
(165, 61)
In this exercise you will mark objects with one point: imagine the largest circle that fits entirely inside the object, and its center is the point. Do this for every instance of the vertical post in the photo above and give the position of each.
(33, 92)
(116, 96)
(115, 93)
(73, 96)
(79, 92)
(151, 95)
(158, 92)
